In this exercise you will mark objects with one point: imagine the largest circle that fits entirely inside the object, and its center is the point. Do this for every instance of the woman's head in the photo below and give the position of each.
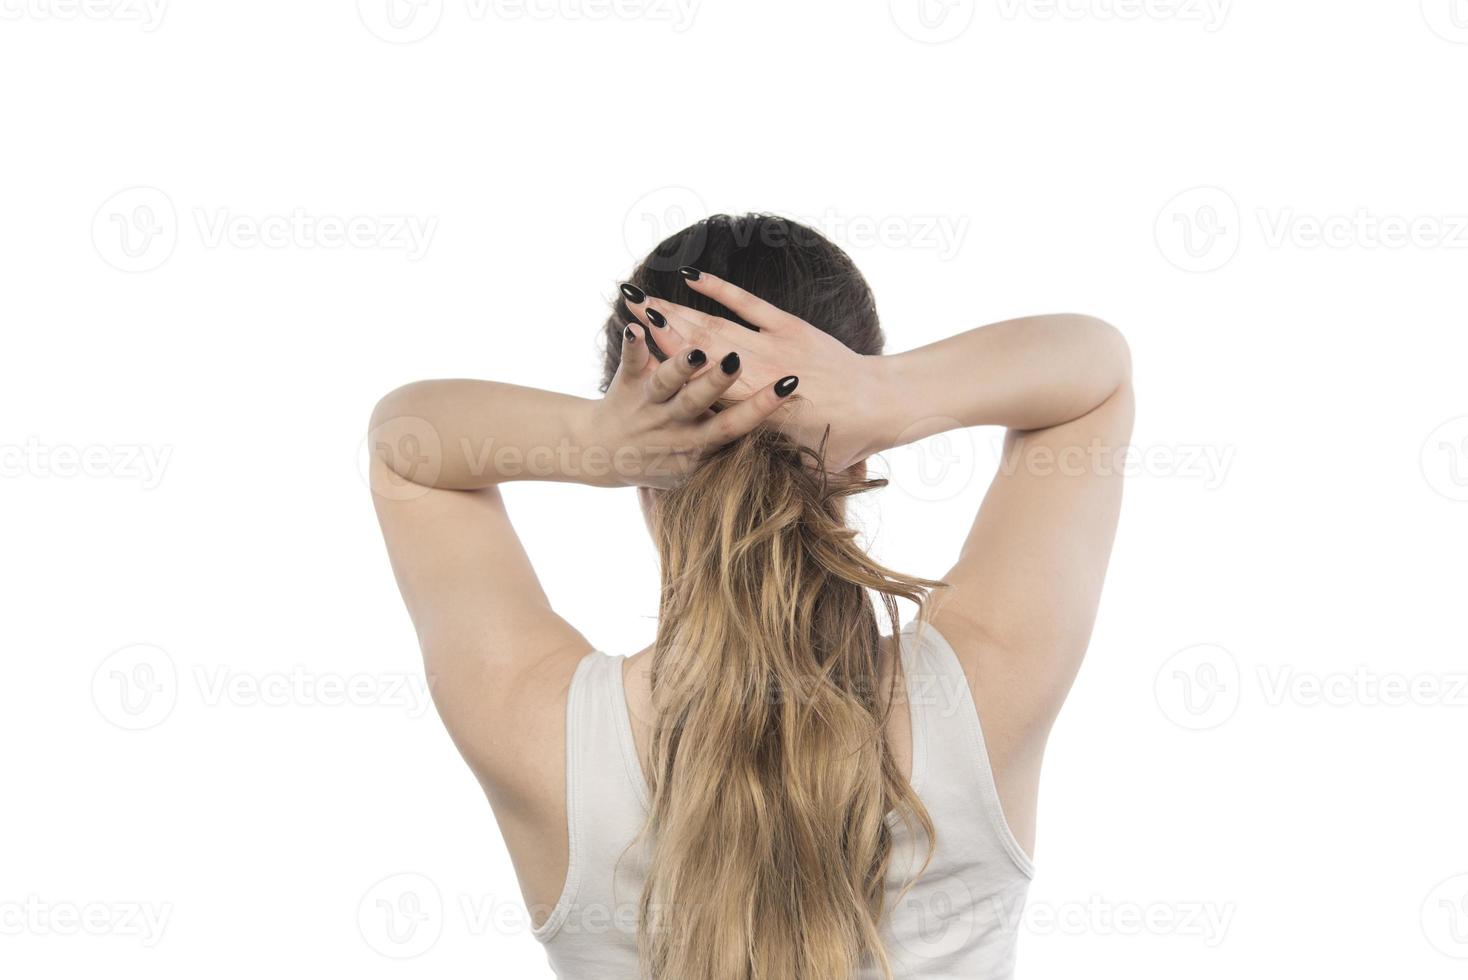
(789, 265)
(772, 776)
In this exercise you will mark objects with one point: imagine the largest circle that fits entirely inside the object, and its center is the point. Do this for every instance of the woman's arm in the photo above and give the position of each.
(494, 648)
(467, 435)
(1024, 591)
(1026, 374)
(498, 657)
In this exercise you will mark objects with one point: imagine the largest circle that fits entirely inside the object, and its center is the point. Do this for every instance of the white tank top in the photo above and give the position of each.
(960, 920)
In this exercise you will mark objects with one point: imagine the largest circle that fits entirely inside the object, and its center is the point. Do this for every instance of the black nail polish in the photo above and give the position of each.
(730, 363)
(633, 294)
(696, 357)
(689, 272)
(631, 337)
(786, 385)
(658, 320)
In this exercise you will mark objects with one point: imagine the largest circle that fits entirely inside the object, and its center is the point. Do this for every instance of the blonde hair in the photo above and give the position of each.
(771, 772)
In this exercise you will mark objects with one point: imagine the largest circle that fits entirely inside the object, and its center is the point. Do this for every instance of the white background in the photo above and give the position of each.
(218, 756)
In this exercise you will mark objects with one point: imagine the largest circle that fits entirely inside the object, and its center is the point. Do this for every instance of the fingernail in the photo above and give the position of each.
(631, 337)
(730, 363)
(658, 320)
(633, 294)
(689, 272)
(696, 357)
(786, 385)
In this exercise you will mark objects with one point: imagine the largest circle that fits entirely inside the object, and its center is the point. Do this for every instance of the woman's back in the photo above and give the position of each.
(959, 918)
(758, 811)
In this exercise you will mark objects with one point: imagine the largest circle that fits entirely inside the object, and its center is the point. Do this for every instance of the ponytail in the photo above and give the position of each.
(772, 776)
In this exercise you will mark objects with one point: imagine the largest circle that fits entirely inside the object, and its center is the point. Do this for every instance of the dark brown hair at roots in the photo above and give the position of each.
(785, 263)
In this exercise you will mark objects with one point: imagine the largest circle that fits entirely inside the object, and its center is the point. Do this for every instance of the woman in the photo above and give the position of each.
(774, 789)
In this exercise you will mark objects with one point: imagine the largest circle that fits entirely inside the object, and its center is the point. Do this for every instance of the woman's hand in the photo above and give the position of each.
(655, 420)
(838, 387)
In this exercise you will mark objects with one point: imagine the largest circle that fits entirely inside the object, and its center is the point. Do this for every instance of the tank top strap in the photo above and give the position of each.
(605, 806)
(942, 705)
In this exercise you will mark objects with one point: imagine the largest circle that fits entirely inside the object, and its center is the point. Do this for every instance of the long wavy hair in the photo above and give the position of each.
(772, 776)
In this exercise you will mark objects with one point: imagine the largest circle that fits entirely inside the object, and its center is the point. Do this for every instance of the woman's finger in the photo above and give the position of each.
(699, 395)
(663, 340)
(744, 417)
(673, 374)
(635, 355)
(751, 307)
